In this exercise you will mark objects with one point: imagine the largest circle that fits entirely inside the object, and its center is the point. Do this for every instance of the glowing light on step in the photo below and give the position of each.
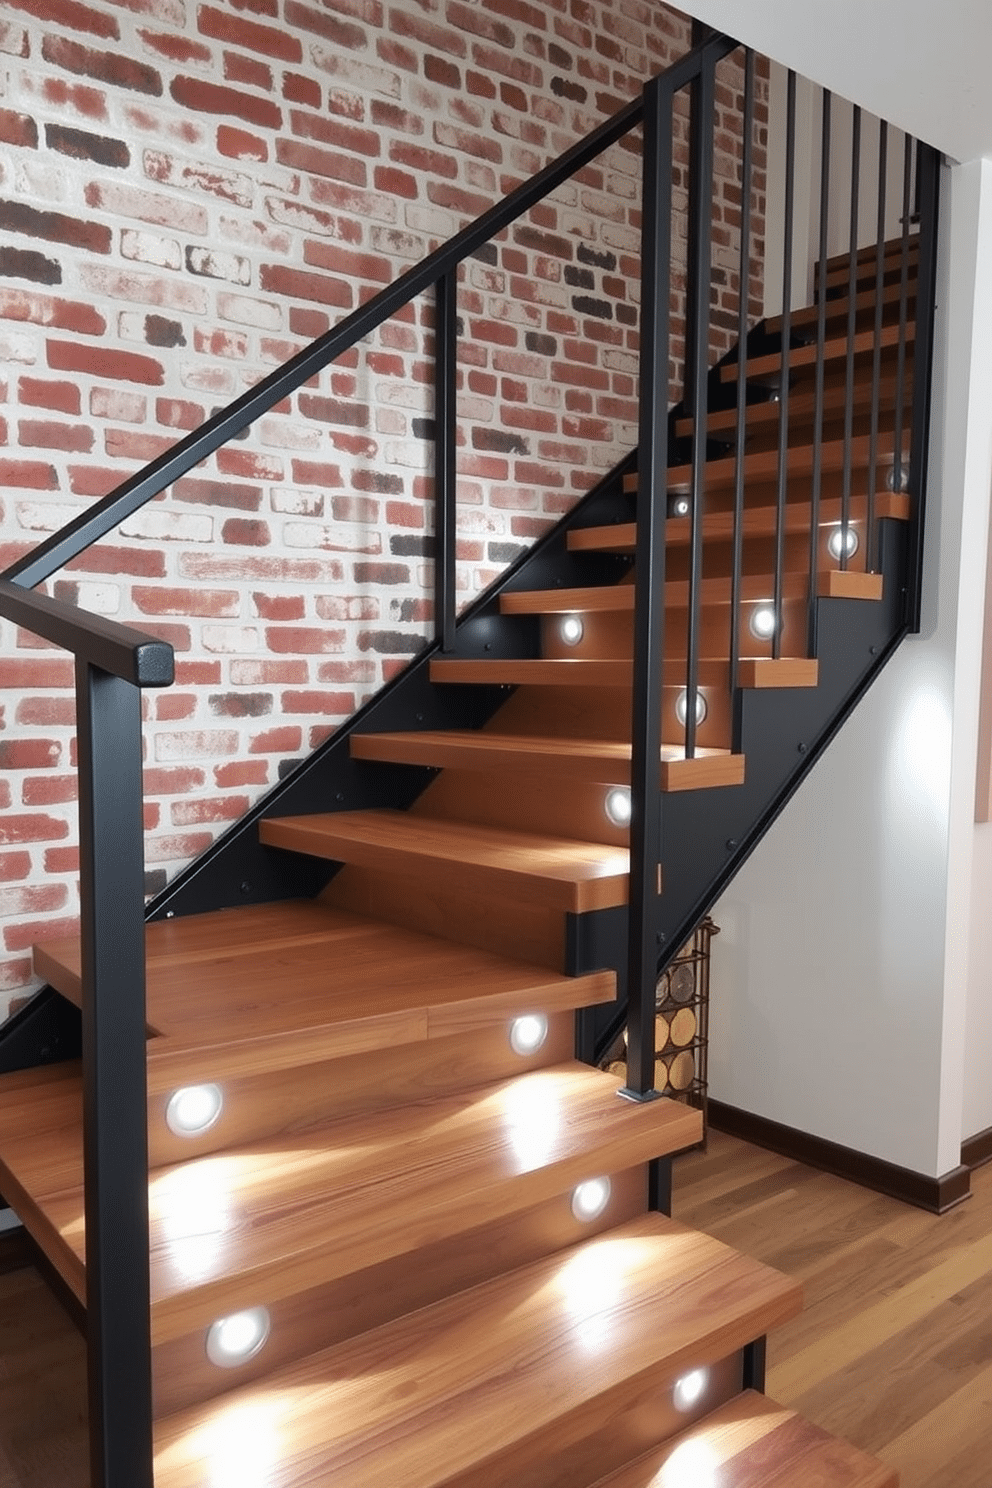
(842, 540)
(688, 1390)
(763, 622)
(193, 1109)
(617, 806)
(680, 506)
(590, 1199)
(572, 630)
(532, 1110)
(239, 1447)
(693, 1464)
(528, 1033)
(682, 707)
(233, 1340)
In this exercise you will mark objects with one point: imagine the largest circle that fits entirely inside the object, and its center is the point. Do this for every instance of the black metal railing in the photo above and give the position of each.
(113, 662)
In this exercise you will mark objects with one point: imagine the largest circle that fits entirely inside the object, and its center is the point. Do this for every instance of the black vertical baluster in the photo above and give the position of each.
(783, 419)
(115, 1105)
(852, 316)
(907, 179)
(445, 475)
(649, 598)
(928, 178)
(876, 364)
(821, 341)
(697, 348)
(744, 288)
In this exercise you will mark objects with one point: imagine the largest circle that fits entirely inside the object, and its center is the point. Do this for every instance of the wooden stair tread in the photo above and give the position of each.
(615, 673)
(763, 465)
(837, 308)
(273, 1216)
(456, 1388)
(559, 872)
(806, 356)
(753, 1443)
(715, 590)
(759, 521)
(802, 406)
(890, 249)
(601, 760)
(213, 980)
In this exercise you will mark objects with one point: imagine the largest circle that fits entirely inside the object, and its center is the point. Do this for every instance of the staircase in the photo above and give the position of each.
(399, 1234)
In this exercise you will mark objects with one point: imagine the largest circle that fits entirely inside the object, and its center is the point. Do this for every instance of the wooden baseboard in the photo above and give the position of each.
(977, 1150)
(936, 1195)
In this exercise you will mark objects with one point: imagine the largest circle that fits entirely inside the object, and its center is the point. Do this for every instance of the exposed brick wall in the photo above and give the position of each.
(189, 193)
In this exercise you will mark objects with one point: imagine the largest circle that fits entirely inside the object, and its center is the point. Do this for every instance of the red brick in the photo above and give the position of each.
(315, 160)
(49, 434)
(271, 41)
(22, 937)
(346, 35)
(103, 558)
(285, 740)
(303, 639)
(14, 865)
(33, 827)
(241, 772)
(238, 144)
(176, 48)
(162, 781)
(243, 533)
(49, 790)
(62, 860)
(318, 702)
(29, 754)
(55, 227)
(212, 809)
(18, 129)
(71, 14)
(128, 366)
(279, 606)
(278, 279)
(28, 475)
(214, 98)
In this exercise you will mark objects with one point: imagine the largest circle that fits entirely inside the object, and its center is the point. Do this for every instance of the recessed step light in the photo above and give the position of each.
(572, 630)
(682, 706)
(843, 540)
(193, 1109)
(528, 1033)
(763, 622)
(590, 1199)
(235, 1339)
(617, 806)
(689, 1389)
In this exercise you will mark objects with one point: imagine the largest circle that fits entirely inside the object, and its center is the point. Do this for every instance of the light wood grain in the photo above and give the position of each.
(786, 672)
(751, 1441)
(558, 673)
(712, 590)
(567, 601)
(564, 806)
(837, 308)
(802, 409)
(805, 357)
(561, 873)
(334, 1310)
(760, 506)
(466, 1383)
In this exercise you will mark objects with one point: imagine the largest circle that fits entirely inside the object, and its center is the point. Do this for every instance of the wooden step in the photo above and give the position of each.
(891, 248)
(765, 417)
(866, 269)
(753, 1443)
(802, 358)
(600, 760)
(805, 320)
(253, 982)
(759, 522)
(563, 874)
(619, 598)
(762, 467)
(530, 673)
(480, 1389)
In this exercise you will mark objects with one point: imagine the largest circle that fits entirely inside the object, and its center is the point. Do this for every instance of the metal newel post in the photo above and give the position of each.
(115, 1119)
(445, 474)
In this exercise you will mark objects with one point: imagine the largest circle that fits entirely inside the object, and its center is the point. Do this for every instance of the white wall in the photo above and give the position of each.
(977, 1103)
(842, 972)
(918, 65)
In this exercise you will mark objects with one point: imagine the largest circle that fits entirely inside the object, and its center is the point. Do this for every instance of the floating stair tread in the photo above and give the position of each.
(763, 465)
(710, 673)
(754, 588)
(272, 1217)
(753, 1443)
(345, 982)
(802, 407)
(890, 249)
(834, 348)
(538, 1356)
(558, 872)
(836, 308)
(601, 760)
(759, 521)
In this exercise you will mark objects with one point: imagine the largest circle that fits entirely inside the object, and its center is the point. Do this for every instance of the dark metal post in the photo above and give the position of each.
(115, 1121)
(783, 421)
(649, 599)
(445, 474)
(744, 287)
(926, 295)
(852, 318)
(697, 340)
(871, 543)
(898, 463)
(660, 1185)
(821, 342)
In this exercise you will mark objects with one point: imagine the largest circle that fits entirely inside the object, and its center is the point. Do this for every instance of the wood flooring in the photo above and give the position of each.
(893, 1349)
